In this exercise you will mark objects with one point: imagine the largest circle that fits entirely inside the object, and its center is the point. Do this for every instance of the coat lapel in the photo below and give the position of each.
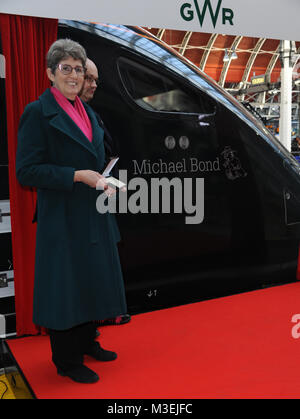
(60, 120)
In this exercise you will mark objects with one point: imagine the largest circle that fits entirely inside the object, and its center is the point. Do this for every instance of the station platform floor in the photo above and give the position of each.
(236, 347)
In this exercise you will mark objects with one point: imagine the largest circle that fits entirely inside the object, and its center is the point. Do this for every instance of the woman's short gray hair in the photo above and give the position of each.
(62, 49)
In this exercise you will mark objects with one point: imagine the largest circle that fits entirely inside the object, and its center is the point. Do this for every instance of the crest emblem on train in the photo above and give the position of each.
(232, 164)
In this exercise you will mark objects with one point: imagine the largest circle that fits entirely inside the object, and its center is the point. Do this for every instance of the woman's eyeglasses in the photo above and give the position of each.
(67, 69)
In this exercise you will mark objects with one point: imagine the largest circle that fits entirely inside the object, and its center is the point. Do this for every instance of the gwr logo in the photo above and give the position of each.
(187, 13)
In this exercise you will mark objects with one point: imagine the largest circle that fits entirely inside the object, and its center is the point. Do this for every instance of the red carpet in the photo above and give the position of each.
(233, 347)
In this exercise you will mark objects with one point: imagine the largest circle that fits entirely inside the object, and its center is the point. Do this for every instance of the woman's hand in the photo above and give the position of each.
(90, 178)
(110, 192)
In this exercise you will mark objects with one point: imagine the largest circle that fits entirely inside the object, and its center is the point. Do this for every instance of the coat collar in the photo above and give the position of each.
(61, 121)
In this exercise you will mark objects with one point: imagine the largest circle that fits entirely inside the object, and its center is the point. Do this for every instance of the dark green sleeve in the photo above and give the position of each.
(32, 160)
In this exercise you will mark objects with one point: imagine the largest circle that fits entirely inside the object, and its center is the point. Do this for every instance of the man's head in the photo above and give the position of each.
(90, 82)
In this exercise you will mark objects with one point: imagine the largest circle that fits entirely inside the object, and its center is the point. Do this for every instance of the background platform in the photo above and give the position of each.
(242, 346)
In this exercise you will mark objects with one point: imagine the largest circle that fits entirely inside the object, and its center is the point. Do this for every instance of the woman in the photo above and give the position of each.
(78, 277)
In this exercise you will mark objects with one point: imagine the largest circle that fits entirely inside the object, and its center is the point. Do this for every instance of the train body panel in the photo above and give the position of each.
(169, 120)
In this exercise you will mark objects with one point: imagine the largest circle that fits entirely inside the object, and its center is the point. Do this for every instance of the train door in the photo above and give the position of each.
(167, 129)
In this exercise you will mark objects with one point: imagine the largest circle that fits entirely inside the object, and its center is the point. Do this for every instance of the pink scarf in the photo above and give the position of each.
(77, 112)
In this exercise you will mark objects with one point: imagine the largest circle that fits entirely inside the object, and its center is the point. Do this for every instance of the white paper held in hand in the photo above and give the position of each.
(110, 166)
(110, 180)
(115, 182)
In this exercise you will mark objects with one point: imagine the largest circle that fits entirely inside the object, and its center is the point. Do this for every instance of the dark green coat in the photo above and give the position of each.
(77, 272)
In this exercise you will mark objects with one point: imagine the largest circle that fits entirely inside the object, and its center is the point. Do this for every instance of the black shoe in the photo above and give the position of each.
(101, 354)
(81, 374)
(125, 318)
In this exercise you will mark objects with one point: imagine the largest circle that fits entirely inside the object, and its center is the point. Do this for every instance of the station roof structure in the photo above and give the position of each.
(255, 56)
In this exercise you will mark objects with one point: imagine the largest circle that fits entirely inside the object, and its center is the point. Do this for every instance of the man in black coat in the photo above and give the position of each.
(86, 95)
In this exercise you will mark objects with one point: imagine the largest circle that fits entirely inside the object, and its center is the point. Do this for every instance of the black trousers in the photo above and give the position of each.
(69, 346)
